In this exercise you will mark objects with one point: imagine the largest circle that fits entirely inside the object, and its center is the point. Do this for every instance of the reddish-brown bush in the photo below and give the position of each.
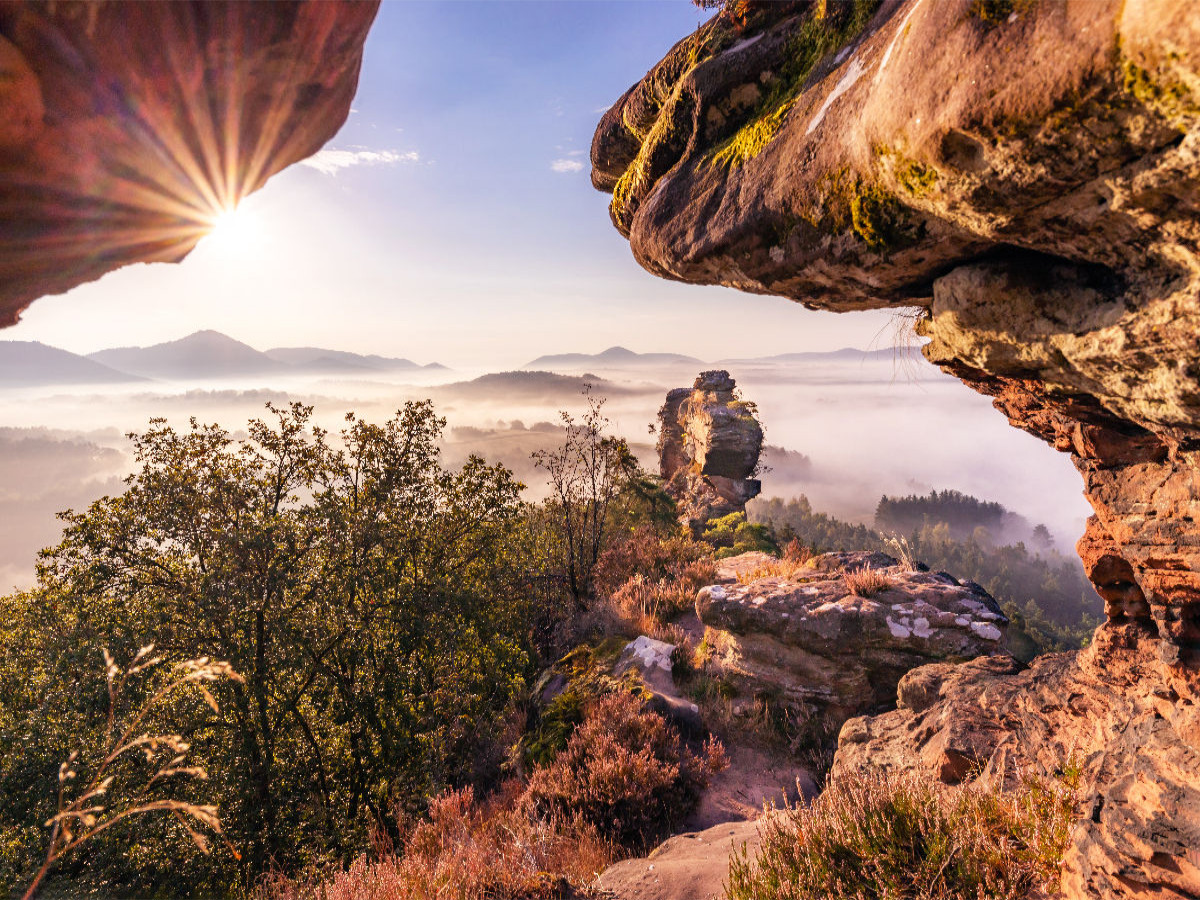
(626, 771)
(469, 850)
(646, 554)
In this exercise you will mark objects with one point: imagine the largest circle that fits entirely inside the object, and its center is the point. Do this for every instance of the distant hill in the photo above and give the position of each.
(526, 386)
(205, 354)
(33, 364)
(318, 358)
(613, 356)
(210, 354)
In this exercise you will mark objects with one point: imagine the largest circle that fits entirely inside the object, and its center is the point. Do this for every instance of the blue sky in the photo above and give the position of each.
(452, 218)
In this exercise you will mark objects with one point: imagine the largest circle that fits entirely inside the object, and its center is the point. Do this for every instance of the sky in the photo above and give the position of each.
(452, 219)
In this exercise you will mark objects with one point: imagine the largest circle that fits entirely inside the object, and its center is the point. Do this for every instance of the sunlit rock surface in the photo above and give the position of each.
(1114, 712)
(1029, 173)
(808, 641)
(709, 442)
(126, 127)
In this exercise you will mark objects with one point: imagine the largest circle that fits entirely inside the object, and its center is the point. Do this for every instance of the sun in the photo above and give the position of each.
(234, 229)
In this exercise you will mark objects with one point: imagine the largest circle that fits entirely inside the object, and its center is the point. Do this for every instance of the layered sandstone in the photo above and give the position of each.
(1114, 714)
(808, 641)
(709, 442)
(127, 127)
(1029, 174)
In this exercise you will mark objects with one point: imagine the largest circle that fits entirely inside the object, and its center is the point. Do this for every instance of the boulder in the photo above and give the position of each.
(127, 127)
(708, 448)
(651, 660)
(1114, 713)
(808, 641)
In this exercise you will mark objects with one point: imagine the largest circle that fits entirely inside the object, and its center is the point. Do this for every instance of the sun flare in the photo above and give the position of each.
(234, 228)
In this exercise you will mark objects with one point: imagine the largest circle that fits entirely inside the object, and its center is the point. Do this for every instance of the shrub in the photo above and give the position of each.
(732, 535)
(468, 848)
(880, 836)
(647, 554)
(651, 603)
(626, 771)
(866, 582)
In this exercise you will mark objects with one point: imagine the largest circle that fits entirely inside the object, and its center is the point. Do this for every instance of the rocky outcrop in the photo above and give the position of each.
(807, 640)
(708, 447)
(1114, 712)
(1029, 174)
(126, 127)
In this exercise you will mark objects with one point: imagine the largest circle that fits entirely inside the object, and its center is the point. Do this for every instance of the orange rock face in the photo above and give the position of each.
(126, 127)
(1029, 174)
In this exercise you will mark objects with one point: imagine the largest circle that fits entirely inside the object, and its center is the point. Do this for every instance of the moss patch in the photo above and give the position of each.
(916, 178)
(999, 12)
(817, 37)
(876, 217)
(1173, 98)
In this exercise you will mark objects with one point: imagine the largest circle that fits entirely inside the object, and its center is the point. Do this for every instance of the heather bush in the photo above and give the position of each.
(626, 771)
(469, 850)
(876, 837)
(646, 553)
(649, 603)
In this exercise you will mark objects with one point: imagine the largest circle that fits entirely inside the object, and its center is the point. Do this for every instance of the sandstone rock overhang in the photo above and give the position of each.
(1029, 173)
(126, 127)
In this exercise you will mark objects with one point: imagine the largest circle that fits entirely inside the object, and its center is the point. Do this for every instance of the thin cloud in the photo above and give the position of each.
(566, 165)
(330, 162)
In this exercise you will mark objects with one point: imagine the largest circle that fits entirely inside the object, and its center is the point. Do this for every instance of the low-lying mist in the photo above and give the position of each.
(841, 429)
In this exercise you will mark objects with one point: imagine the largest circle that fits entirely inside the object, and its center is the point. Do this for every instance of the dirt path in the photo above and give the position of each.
(694, 865)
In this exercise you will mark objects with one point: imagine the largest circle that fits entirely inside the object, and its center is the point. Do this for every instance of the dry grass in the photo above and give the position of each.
(111, 794)
(875, 836)
(650, 603)
(796, 563)
(866, 582)
(469, 850)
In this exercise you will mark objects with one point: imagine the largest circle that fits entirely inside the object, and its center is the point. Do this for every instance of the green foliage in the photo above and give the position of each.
(818, 36)
(732, 534)
(795, 519)
(376, 604)
(587, 473)
(876, 837)
(961, 512)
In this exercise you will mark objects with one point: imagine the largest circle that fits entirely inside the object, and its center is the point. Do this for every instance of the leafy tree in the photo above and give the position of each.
(375, 604)
(587, 473)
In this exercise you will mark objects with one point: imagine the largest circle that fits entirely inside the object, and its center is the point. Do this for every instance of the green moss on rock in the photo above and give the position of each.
(876, 217)
(817, 37)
